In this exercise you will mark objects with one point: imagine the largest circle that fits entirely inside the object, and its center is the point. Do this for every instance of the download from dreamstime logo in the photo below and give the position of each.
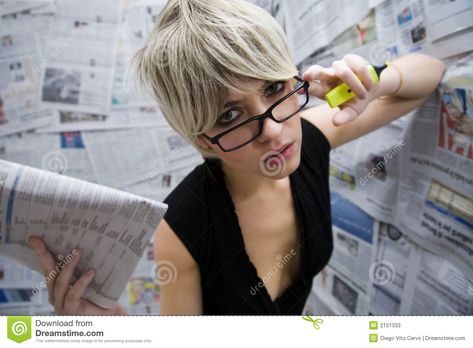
(164, 272)
(382, 272)
(272, 163)
(54, 161)
(19, 328)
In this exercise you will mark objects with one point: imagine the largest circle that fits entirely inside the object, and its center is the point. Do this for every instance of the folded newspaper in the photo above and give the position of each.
(111, 228)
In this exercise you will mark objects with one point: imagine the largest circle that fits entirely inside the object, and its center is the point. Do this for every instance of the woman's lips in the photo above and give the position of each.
(286, 152)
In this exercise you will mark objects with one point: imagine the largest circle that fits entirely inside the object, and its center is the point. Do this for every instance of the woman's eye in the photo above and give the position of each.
(275, 88)
(229, 116)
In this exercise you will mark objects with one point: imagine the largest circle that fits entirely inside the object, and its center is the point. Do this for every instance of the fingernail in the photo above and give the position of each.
(90, 273)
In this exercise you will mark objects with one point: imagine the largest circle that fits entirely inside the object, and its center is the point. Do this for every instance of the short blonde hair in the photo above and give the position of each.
(199, 50)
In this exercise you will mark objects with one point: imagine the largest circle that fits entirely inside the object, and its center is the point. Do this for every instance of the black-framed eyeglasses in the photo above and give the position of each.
(248, 130)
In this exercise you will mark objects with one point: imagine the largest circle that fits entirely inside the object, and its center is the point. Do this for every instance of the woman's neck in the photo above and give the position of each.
(251, 184)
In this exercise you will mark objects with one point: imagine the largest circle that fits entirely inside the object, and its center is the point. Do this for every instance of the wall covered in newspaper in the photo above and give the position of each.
(402, 211)
(402, 195)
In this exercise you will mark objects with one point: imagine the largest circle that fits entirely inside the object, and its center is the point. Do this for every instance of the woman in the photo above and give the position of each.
(247, 230)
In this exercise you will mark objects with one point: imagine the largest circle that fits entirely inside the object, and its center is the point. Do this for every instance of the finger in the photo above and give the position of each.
(318, 89)
(47, 263)
(319, 73)
(347, 113)
(360, 67)
(75, 293)
(347, 75)
(64, 279)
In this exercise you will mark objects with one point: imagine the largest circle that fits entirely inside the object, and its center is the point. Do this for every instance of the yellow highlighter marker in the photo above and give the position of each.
(342, 93)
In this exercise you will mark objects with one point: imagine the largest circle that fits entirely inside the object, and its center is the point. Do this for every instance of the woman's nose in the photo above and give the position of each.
(271, 130)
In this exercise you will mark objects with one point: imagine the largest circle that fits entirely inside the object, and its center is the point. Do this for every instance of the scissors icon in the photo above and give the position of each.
(315, 322)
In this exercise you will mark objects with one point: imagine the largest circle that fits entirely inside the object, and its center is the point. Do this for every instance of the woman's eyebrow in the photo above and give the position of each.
(233, 103)
(262, 87)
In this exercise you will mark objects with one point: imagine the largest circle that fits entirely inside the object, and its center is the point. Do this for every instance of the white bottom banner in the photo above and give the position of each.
(237, 331)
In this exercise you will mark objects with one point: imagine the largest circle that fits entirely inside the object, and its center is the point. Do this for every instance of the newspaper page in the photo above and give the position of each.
(275, 8)
(355, 236)
(367, 170)
(130, 105)
(344, 283)
(448, 17)
(450, 48)
(33, 16)
(10, 7)
(111, 227)
(140, 18)
(79, 62)
(142, 294)
(415, 173)
(117, 118)
(436, 187)
(158, 187)
(395, 257)
(20, 107)
(386, 47)
(315, 306)
(408, 279)
(437, 287)
(312, 24)
(340, 293)
(385, 22)
(62, 153)
(129, 98)
(17, 284)
(357, 39)
(411, 25)
(373, 37)
(125, 157)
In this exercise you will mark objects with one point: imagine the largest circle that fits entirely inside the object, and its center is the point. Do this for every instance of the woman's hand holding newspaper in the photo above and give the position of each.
(64, 294)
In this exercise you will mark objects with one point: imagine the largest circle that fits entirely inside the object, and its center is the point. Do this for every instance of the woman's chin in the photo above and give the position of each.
(277, 167)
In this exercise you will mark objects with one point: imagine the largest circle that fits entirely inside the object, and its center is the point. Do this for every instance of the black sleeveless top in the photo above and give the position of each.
(202, 214)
